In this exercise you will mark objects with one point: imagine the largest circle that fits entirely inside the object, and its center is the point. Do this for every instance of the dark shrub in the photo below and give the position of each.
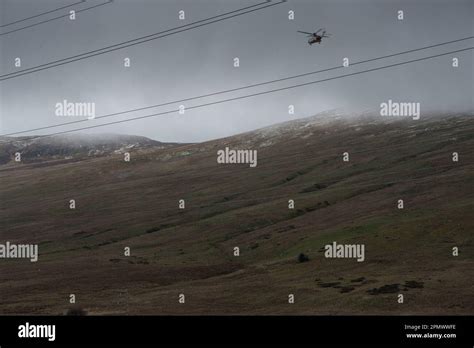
(76, 311)
(302, 258)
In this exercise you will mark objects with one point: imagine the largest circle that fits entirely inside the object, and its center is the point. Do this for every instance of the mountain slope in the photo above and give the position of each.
(191, 250)
(69, 146)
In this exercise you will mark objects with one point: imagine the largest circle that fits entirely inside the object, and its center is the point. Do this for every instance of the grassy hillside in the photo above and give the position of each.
(190, 251)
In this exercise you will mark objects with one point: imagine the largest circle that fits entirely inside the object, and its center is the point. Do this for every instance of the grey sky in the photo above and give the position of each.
(201, 61)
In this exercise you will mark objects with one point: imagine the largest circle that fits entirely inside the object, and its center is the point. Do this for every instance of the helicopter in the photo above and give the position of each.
(314, 37)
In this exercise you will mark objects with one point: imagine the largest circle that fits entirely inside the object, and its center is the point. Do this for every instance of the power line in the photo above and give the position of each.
(260, 93)
(55, 18)
(240, 88)
(125, 44)
(41, 14)
(114, 47)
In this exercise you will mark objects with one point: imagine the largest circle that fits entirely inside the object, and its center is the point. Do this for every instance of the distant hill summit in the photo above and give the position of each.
(82, 146)
(68, 146)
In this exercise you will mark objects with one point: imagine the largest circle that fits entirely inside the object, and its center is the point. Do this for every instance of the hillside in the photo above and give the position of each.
(72, 146)
(190, 251)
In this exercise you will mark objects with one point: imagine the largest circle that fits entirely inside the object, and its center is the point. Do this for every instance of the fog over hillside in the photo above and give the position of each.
(201, 61)
(73, 146)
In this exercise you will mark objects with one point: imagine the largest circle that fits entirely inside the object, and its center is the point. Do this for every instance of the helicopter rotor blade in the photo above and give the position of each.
(305, 32)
